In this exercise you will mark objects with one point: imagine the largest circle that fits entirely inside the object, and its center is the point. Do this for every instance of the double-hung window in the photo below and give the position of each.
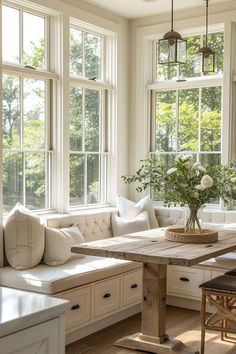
(89, 95)
(26, 108)
(186, 107)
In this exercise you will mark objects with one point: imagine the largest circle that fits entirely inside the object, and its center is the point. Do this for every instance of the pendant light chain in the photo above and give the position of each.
(172, 15)
(207, 22)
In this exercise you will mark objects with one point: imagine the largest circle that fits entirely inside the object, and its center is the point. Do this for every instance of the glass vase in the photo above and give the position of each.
(193, 224)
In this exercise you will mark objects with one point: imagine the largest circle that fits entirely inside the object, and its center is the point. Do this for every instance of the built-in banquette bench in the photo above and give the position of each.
(103, 291)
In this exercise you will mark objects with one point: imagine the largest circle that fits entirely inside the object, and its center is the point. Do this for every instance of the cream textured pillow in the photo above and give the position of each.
(123, 226)
(58, 243)
(23, 238)
(129, 209)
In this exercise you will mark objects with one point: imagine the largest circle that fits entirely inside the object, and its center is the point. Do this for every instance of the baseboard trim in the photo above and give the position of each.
(100, 324)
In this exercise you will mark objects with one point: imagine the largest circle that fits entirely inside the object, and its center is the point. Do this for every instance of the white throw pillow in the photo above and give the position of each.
(123, 226)
(129, 209)
(23, 238)
(58, 243)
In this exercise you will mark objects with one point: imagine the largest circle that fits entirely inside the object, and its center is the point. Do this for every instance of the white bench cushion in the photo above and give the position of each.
(76, 272)
(226, 261)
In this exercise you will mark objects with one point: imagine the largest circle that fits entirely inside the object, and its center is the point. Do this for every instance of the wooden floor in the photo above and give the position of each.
(181, 323)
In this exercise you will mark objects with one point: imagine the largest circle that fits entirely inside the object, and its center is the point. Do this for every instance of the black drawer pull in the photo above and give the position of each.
(75, 307)
(106, 296)
(183, 279)
(134, 286)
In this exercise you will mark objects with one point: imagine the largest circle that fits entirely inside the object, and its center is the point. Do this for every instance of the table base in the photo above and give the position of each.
(136, 341)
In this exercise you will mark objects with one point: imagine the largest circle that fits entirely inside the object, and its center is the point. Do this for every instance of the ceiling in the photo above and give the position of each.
(140, 8)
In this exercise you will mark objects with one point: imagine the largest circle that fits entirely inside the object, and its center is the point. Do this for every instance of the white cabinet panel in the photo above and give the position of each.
(106, 297)
(79, 311)
(132, 288)
(183, 281)
(39, 339)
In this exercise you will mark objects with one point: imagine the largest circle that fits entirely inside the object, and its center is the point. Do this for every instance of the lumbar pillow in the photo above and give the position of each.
(129, 209)
(123, 226)
(58, 244)
(23, 238)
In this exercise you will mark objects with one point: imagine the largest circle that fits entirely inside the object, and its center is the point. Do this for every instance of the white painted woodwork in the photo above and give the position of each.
(107, 297)
(132, 287)
(79, 311)
(31, 323)
(39, 339)
(185, 282)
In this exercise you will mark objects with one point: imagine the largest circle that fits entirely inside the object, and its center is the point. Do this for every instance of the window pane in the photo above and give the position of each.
(76, 118)
(34, 114)
(12, 179)
(167, 161)
(11, 112)
(93, 179)
(77, 168)
(33, 40)
(92, 46)
(188, 69)
(35, 180)
(10, 35)
(210, 159)
(188, 120)
(92, 117)
(211, 119)
(216, 43)
(76, 52)
(166, 121)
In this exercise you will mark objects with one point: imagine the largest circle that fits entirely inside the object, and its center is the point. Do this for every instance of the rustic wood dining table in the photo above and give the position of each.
(155, 253)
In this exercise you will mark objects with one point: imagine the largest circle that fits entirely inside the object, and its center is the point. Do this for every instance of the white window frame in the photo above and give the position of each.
(175, 85)
(49, 77)
(104, 85)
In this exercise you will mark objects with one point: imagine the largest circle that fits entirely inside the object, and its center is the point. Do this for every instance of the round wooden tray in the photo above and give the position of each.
(178, 235)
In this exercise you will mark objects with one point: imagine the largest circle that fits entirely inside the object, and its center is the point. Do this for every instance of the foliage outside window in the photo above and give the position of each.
(26, 155)
(188, 118)
(88, 158)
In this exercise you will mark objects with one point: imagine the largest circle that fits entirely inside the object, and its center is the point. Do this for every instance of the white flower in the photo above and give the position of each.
(199, 187)
(206, 181)
(178, 157)
(196, 164)
(233, 179)
(187, 158)
(196, 194)
(201, 169)
(171, 170)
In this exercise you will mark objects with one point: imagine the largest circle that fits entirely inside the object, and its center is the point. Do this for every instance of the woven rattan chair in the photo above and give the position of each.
(220, 293)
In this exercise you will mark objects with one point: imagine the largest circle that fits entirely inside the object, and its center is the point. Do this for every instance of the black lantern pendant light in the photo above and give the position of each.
(206, 54)
(172, 48)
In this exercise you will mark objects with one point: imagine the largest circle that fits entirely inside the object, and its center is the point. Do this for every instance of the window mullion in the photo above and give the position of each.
(23, 179)
(83, 53)
(199, 123)
(21, 39)
(177, 121)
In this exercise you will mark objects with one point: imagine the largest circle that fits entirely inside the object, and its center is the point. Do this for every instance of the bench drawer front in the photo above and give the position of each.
(132, 288)
(80, 307)
(183, 281)
(106, 297)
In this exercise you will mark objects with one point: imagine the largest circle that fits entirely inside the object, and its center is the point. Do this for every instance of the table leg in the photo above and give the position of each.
(153, 337)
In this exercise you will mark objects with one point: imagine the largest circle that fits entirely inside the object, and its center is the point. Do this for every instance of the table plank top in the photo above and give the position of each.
(151, 246)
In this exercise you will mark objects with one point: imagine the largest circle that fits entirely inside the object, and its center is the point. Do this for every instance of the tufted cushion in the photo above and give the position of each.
(218, 216)
(169, 216)
(93, 224)
(76, 272)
